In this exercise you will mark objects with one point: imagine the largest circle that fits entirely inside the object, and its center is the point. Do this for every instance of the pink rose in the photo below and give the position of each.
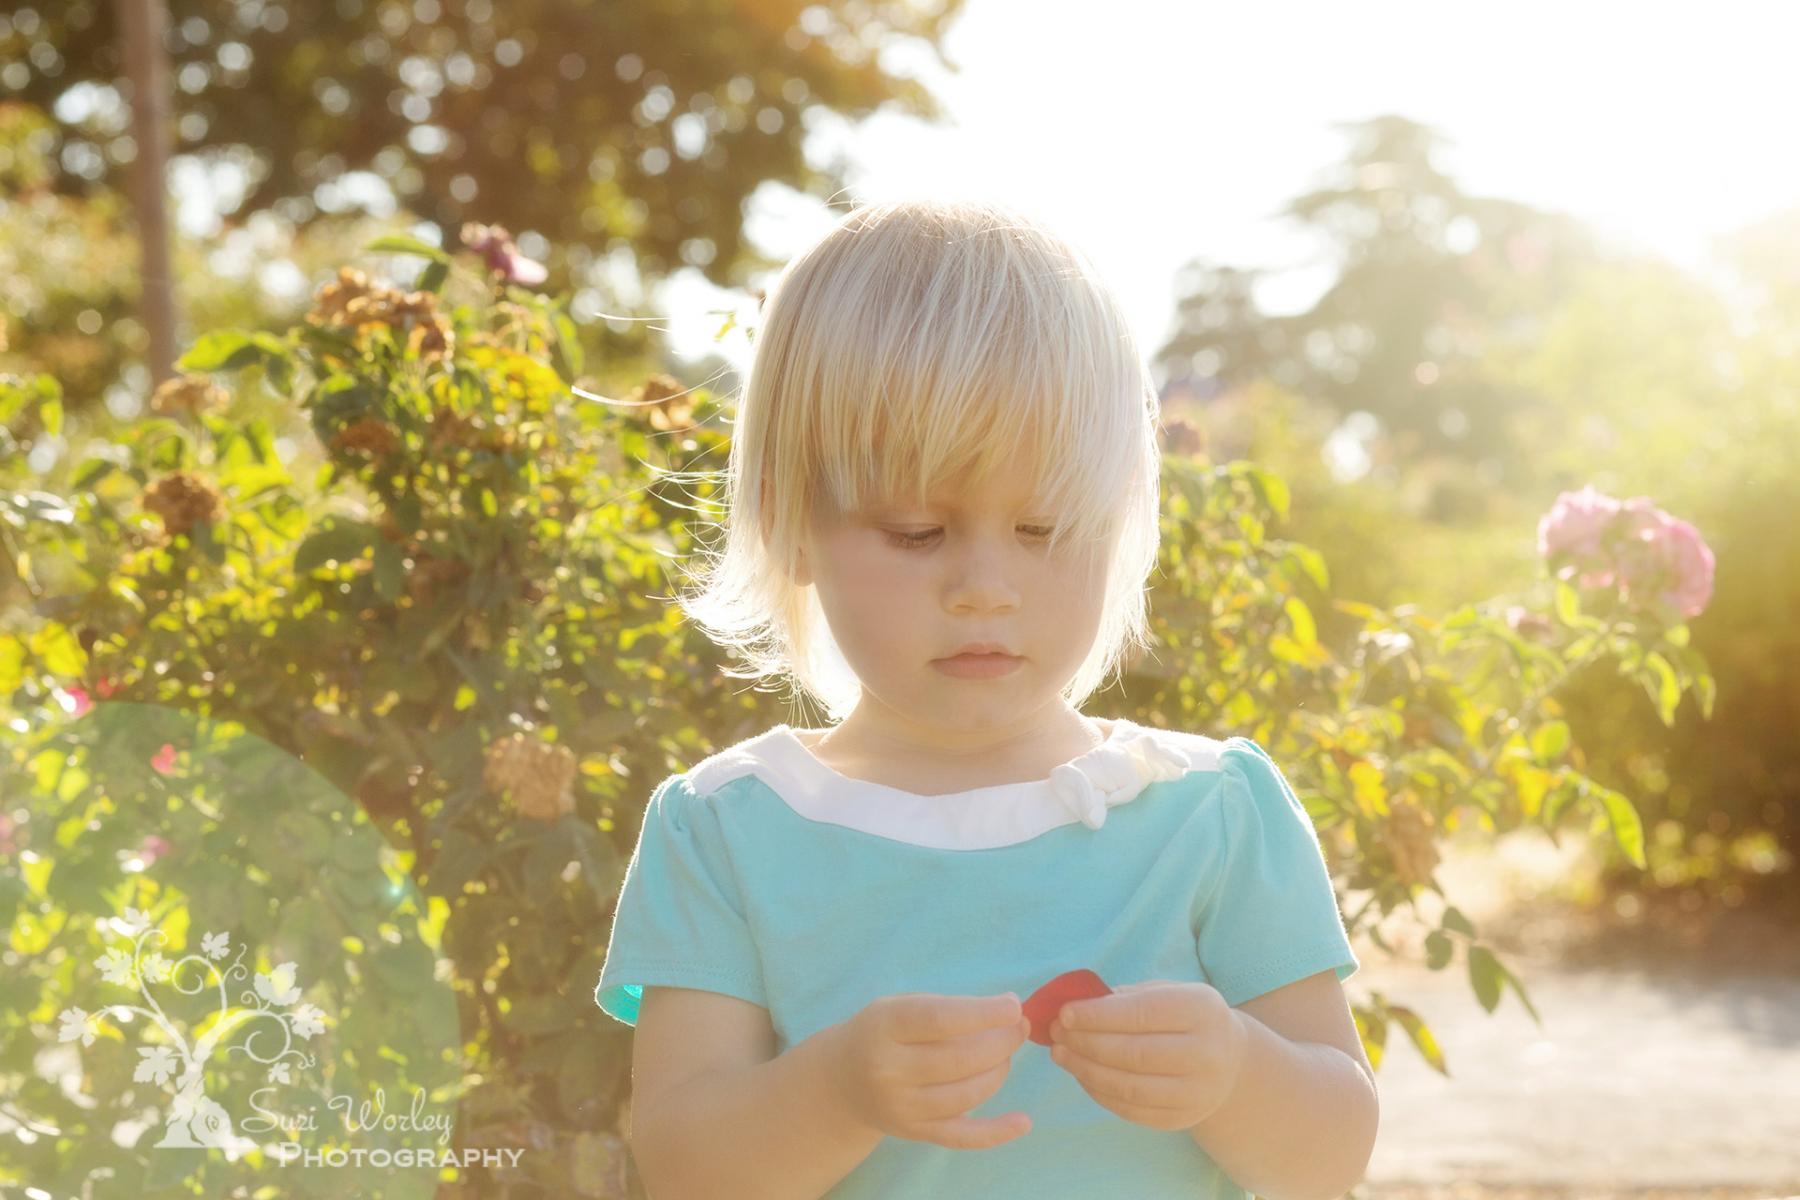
(164, 762)
(78, 701)
(1571, 536)
(1647, 553)
(1663, 557)
(496, 248)
(153, 848)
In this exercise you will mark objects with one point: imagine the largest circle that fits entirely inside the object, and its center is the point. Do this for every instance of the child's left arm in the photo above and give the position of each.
(1278, 1091)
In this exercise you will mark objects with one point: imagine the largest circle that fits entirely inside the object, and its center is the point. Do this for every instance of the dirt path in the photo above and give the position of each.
(1664, 1067)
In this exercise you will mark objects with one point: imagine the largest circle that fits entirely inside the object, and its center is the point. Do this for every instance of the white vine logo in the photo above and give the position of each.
(194, 1120)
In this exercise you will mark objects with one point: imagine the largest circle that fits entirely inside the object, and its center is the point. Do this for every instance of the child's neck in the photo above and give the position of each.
(859, 750)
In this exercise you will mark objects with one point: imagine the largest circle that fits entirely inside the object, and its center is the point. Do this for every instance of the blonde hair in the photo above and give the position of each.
(921, 343)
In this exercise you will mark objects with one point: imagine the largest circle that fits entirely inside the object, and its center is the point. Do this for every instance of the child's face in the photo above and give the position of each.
(904, 584)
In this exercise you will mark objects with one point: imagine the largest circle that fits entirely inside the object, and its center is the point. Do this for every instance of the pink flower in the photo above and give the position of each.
(164, 762)
(1571, 536)
(1650, 555)
(78, 701)
(8, 845)
(1663, 557)
(153, 848)
(495, 245)
(104, 685)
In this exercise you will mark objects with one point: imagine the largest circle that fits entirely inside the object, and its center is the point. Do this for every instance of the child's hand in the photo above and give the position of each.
(913, 1065)
(1161, 1054)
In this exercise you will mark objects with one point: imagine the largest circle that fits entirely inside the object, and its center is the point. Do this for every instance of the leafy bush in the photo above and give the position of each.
(460, 627)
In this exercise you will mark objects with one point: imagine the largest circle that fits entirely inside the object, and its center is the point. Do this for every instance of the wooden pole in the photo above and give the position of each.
(145, 24)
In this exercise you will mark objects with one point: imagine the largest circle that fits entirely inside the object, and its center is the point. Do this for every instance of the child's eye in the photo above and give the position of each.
(922, 537)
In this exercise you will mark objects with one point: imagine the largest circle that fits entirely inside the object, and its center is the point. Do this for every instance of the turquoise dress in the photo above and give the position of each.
(764, 874)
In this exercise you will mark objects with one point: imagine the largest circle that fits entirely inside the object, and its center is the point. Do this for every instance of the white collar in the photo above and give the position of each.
(1083, 789)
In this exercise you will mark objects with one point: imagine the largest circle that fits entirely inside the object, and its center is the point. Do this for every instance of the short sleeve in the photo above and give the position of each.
(679, 920)
(1270, 916)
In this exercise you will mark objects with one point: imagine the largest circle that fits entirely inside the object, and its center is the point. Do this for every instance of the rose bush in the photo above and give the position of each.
(461, 622)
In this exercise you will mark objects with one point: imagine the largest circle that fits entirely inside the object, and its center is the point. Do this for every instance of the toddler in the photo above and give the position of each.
(943, 497)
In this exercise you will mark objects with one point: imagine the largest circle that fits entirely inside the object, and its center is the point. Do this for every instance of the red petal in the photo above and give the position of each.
(1047, 1001)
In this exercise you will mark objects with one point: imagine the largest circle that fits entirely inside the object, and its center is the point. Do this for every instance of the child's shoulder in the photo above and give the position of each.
(1202, 754)
(1198, 751)
(736, 761)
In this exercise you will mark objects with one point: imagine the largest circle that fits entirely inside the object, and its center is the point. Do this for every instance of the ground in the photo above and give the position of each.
(1667, 1064)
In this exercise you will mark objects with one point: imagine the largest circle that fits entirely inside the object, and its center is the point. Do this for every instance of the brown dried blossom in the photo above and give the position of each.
(664, 402)
(1407, 836)
(538, 777)
(182, 500)
(190, 394)
(1182, 436)
(367, 435)
(353, 300)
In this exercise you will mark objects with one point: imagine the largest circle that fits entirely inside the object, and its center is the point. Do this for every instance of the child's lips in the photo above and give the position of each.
(1043, 1005)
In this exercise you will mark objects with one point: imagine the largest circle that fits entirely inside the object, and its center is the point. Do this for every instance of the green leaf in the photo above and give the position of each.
(539, 1014)
(1486, 974)
(1568, 603)
(1454, 919)
(222, 350)
(1438, 950)
(1421, 1036)
(1271, 488)
(12, 664)
(1313, 563)
(342, 541)
(59, 650)
(51, 413)
(568, 346)
(431, 279)
(1305, 631)
(1549, 740)
(459, 860)
(93, 471)
(1663, 686)
(1627, 826)
(399, 243)
(390, 570)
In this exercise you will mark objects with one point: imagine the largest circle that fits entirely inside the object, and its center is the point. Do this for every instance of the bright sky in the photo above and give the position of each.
(1171, 130)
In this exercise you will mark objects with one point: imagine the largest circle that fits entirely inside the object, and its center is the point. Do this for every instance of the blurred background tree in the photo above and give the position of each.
(1473, 358)
(619, 142)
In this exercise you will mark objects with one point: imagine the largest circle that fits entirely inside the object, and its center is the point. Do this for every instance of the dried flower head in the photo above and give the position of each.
(352, 300)
(664, 403)
(189, 394)
(366, 435)
(537, 776)
(1407, 835)
(181, 500)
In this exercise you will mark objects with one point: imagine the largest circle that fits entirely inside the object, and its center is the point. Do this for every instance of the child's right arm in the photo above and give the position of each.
(793, 1126)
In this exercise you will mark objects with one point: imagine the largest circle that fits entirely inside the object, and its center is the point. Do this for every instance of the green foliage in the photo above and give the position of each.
(596, 125)
(1423, 726)
(460, 624)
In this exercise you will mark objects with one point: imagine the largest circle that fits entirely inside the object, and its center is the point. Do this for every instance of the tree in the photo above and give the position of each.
(1430, 281)
(595, 126)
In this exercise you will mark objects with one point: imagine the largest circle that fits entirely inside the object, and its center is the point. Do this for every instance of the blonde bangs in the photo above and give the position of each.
(943, 351)
(919, 349)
